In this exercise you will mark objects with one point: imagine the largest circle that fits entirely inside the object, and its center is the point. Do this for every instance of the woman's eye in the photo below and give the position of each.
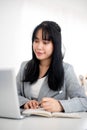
(36, 41)
(45, 42)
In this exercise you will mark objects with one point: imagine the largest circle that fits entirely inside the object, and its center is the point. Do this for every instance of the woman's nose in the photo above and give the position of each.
(40, 45)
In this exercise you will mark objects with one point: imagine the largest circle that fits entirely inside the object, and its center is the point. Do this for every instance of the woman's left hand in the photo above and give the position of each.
(51, 105)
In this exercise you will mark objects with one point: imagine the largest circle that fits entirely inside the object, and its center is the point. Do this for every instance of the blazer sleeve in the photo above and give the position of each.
(77, 99)
(20, 85)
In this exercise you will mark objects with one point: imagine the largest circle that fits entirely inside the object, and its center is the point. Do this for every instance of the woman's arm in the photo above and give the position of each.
(20, 85)
(77, 99)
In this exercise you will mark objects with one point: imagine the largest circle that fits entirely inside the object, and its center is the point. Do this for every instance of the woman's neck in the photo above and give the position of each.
(45, 63)
(44, 66)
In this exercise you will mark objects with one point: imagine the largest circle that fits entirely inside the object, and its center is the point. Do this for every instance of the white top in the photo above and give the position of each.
(35, 87)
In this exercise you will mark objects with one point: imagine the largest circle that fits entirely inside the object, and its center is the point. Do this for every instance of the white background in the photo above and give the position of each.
(18, 18)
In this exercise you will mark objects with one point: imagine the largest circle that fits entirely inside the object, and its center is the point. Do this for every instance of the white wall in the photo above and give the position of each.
(19, 17)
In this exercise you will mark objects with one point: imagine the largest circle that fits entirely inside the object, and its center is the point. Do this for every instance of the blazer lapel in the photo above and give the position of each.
(45, 91)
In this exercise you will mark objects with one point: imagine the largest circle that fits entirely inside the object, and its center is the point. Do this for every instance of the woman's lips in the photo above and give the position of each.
(39, 53)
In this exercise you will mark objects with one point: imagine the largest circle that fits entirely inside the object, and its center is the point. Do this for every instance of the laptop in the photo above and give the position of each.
(9, 103)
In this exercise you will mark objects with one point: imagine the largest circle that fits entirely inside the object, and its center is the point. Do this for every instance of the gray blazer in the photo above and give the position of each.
(72, 95)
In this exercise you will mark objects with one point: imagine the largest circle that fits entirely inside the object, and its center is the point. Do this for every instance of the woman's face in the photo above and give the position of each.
(43, 49)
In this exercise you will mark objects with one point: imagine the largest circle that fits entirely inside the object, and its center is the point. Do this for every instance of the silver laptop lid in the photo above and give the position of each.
(9, 104)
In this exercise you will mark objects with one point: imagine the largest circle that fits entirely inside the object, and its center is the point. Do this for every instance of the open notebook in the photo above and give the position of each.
(43, 113)
(9, 104)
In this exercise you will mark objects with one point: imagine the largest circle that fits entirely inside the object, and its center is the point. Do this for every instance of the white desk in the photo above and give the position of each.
(41, 123)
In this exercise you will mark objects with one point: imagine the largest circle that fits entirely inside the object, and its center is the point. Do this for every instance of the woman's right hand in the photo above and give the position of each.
(33, 104)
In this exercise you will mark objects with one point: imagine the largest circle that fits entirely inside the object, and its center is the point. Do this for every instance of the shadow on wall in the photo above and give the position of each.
(63, 51)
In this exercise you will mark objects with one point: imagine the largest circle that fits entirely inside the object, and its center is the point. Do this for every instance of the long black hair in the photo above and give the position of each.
(50, 31)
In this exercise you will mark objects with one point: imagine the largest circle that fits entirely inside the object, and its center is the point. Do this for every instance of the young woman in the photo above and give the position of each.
(47, 81)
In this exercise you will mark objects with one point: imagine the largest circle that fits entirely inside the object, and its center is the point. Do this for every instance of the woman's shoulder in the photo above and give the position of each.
(69, 71)
(22, 68)
(67, 66)
(24, 63)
